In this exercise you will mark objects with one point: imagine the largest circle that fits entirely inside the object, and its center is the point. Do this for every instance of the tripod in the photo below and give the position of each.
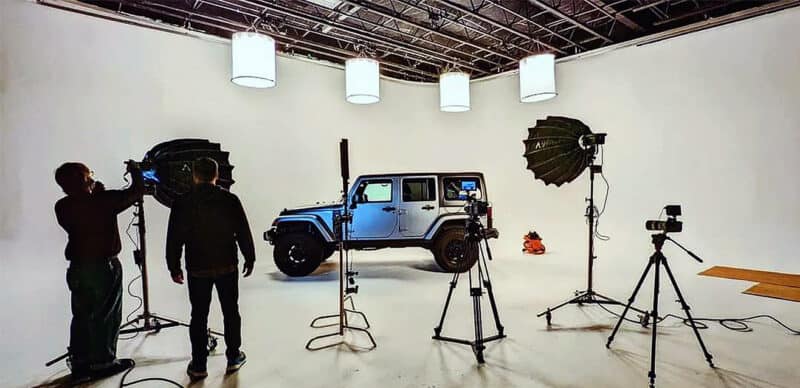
(150, 321)
(658, 259)
(589, 295)
(342, 228)
(474, 243)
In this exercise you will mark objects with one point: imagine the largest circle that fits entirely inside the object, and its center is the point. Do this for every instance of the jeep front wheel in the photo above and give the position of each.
(449, 251)
(297, 254)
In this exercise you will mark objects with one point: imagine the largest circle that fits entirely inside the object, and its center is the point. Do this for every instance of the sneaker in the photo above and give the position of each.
(117, 366)
(236, 363)
(196, 372)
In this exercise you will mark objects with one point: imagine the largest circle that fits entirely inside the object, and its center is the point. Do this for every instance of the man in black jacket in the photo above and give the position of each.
(210, 221)
(89, 216)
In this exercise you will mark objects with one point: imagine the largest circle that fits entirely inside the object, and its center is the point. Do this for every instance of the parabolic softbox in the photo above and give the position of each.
(558, 149)
(167, 167)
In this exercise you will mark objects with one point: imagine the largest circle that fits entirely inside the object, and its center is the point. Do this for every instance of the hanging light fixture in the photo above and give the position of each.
(253, 60)
(362, 80)
(537, 78)
(454, 91)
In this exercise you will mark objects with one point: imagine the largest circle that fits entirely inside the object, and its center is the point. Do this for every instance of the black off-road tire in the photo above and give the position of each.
(448, 250)
(297, 254)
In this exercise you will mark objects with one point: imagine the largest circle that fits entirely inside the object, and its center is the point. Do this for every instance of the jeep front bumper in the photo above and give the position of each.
(269, 236)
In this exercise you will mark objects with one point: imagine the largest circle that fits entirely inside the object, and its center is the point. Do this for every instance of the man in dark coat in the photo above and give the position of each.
(89, 216)
(210, 222)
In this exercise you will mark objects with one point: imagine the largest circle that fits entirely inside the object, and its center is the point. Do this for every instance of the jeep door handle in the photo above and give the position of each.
(427, 207)
(389, 209)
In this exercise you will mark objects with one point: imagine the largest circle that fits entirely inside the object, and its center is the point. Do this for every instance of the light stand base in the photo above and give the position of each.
(345, 327)
(581, 298)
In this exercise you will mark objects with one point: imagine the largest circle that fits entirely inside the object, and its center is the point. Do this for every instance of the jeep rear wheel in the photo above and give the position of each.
(449, 251)
(297, 254)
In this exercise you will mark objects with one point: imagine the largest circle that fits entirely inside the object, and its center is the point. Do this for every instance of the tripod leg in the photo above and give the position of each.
(656, 286)
(685, 308)
(476, 293)
(630, 302)
(438, 329)
(488, 284)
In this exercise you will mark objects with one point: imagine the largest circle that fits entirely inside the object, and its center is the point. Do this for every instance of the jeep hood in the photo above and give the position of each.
(311, 208)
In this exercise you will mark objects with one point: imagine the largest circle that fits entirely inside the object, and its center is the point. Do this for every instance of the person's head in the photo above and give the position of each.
(205, 170)
(74, 178)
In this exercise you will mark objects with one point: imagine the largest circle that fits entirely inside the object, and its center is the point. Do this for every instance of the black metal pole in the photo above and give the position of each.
(656, 285)
(590, 214)
(141, 228)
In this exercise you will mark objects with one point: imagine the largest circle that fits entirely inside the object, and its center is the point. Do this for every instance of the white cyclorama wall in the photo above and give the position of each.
(709, 121)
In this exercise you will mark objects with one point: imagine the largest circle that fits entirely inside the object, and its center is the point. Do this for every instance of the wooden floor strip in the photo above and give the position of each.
(777, 278)
(775, 291)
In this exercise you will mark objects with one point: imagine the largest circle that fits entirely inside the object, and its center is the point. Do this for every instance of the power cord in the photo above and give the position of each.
(122, 382)
(599, 212)
(734, 324)
(130, 284)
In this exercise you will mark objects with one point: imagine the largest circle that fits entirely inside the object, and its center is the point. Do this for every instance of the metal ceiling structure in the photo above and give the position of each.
(418, 39)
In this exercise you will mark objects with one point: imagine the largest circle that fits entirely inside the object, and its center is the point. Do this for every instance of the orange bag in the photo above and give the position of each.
(532, 244)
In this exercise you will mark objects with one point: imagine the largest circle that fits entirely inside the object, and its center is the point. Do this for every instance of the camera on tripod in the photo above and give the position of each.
(671, 225)
(475, 207)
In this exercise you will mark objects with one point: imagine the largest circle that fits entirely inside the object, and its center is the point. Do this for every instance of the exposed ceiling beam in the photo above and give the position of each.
(499, 25)
(526, 19)
(564, 16)
(613, 14)
(371, 7)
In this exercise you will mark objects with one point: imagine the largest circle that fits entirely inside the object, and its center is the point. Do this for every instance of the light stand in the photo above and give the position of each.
(151, 321)
(659, 259)
(589, 295)
(345, 292)
(474, 243)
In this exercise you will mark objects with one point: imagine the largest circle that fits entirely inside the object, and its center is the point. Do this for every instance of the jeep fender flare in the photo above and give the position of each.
(305, 223)
(445, 221)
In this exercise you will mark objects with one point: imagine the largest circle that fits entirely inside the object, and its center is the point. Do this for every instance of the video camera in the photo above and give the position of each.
(671, 225)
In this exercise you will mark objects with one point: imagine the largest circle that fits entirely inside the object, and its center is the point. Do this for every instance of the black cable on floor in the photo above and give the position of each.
(122, 382)
(735, 324)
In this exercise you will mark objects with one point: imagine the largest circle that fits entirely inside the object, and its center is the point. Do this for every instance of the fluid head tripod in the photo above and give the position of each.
(475, 243)
(658, 259)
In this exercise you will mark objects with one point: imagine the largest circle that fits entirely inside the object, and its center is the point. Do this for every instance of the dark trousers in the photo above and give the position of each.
(96, 313)
(200, 297)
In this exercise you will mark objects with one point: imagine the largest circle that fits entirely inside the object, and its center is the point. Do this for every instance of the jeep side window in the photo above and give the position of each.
(374, 191)
(454, 187)
(419, 190)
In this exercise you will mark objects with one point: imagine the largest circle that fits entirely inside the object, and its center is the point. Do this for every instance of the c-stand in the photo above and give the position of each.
(475, 243)
(659, 259)
(343, 221)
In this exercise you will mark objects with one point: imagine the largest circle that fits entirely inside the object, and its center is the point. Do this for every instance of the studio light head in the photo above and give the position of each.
(671, 225)
(592, 139)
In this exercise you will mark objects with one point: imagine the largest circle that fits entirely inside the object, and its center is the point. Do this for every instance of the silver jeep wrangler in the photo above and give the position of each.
(389, 210)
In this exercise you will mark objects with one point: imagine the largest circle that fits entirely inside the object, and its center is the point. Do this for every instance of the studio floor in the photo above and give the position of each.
(402, 293)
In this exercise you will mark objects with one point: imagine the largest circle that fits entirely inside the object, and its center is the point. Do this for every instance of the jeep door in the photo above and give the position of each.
(419, 205)
(375, 212)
